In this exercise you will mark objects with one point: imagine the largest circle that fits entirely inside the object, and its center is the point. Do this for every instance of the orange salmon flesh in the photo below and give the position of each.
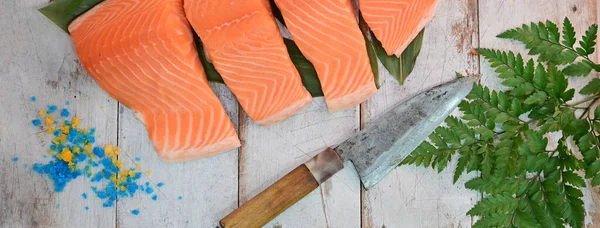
(327, 33)
(396, 23)
(142, 53)
(244, 43)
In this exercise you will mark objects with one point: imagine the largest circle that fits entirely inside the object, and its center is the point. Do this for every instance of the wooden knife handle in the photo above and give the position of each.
(285, 192)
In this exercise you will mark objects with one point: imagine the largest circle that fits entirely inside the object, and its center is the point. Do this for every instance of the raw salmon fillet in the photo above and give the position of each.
(244, 43)
(397, 22)
(327, 33)
(142, 53)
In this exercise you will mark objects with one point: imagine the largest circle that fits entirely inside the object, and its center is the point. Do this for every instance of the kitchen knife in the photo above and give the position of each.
(374, 152)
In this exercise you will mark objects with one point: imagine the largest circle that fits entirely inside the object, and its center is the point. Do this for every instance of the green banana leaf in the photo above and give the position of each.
(371, 50)
(211, 73)
(399, 67)
(305, 68)
(63, 12)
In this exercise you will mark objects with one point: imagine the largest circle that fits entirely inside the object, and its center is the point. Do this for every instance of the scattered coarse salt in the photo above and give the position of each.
(74, 154)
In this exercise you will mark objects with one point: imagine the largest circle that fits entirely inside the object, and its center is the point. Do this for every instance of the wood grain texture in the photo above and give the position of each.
(269, 152)
(420, 197)
(38, 59)
(498, 16)
(208, 186)
(272, 201)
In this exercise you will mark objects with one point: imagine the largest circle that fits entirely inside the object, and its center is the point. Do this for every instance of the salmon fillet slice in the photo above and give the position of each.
(397, 22)
(328, 35)
(244, 43)
(142, 53)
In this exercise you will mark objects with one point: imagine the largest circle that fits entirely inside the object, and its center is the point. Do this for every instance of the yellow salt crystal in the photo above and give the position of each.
(89, 171)
(76, 150)
(128, 151)
(66, 155)
(108, 149)
(92, 155)
(123, 188)
(49, 120)
(102, 108)
(138, 167)
(43, 113)
(117, 163)
(49, 151)
(39, 134)
(113, 178)
(75, 121)
(65, 129)
(131, 173)
(87, 147)
(62, 137)
(148, 172)
(50, 130)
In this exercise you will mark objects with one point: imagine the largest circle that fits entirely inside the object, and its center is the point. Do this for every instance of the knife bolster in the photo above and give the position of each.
(324, 165)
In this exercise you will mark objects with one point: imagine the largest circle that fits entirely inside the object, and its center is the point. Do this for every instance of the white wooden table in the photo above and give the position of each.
(38, 59)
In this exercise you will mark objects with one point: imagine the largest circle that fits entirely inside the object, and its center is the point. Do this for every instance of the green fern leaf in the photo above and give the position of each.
(538, 97)
(588, 41)
(564, 57)
(523, 90)
(582, 68)
(568, 95)
(573, 207)
(542, 39)
(592, 87)
(502, 220)
(593, 168)
(573, 179)
(487, 164)
(559, 81)
(553, 34)
(596, 180)
(523, 219)
(494, 204)
(540, 80)
(535, 141)
(461, 165)
(568, 33)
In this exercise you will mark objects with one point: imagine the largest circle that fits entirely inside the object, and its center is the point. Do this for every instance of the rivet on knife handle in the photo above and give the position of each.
(285, 192)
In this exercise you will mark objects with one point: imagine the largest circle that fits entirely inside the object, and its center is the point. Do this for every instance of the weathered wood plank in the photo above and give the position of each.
(269, 153)
(498, 16)
(208, 187)
(419, 197)
(38, 59)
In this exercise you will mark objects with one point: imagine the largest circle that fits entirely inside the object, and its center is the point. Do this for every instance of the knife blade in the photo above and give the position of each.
(373, 151)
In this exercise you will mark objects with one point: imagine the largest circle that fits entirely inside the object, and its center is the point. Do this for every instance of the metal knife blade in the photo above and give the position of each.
(382, 145)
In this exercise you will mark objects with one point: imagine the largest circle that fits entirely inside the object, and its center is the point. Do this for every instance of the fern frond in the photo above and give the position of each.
(494, 204)
(568, 33)
(541, 39)
(573, 207)
(588, 41)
